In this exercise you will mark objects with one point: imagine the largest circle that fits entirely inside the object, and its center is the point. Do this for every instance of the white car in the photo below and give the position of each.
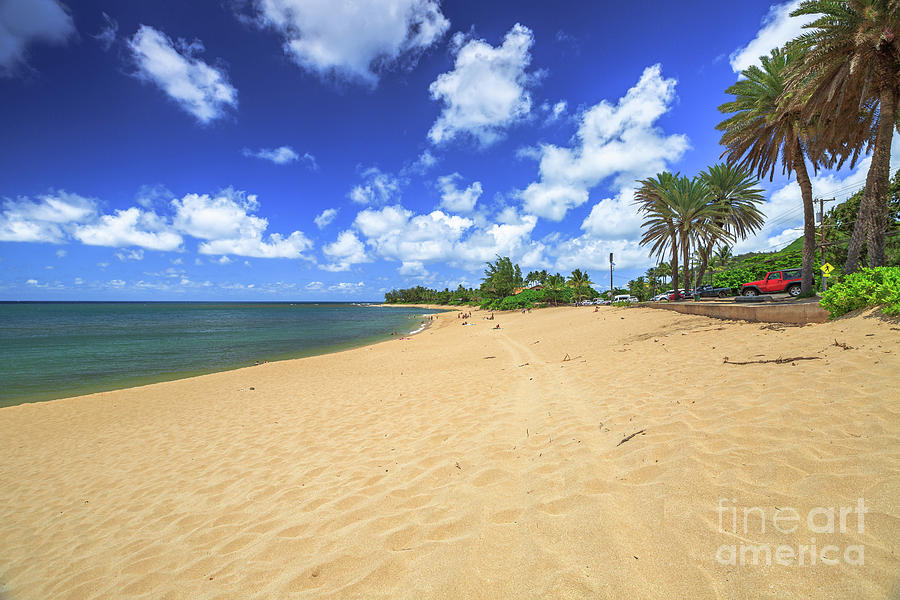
(625, 298)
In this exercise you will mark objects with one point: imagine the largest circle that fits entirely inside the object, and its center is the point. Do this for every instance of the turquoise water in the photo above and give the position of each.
(55, 350)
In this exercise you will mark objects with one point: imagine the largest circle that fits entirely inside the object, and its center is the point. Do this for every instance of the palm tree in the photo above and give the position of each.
(663, 271)
(659, 227)
(693, 215)
(849, 77)
(762, 128)
(733, 192)
(553, 285)
(578, 281)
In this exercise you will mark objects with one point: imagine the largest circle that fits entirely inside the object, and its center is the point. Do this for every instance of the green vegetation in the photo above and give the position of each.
(501, 279)
(705, 213)
(867, 287)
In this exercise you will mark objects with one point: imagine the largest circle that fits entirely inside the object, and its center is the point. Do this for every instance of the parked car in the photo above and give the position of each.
(625, 298)
(709, 291)
(787, 280)
(681, 295)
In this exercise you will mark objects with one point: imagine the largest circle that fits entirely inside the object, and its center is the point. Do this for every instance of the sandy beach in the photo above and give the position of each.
(468, 462)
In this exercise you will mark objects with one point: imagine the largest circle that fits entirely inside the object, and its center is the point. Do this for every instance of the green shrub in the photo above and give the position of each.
(866, 287)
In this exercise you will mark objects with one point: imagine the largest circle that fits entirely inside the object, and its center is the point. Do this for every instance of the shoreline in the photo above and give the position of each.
(140, 381)
(570, 453)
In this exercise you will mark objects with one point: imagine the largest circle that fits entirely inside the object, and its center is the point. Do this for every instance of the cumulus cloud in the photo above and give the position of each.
(226, 223)
(585, 252)
(487, 90)
(345, 252)
(378, 188)
(324, 218)
(618, 140)
(314, 285)
(49, 218)
(26, 22)
(455, 199)
(778, 28)
(398, 234)
(173, 66)
(129, 227)
(352, 40)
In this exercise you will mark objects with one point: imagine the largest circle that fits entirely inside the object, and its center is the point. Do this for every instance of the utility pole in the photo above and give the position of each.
(822, 243)
(611, 265)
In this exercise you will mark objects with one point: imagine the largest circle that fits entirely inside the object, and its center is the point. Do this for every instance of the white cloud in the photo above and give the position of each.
(554, 112)
(107, 35)
(778, 28)
(129, 227)
(587, 253)
(130, 254)
(620, 140)
(324, 218)
(280, 156)
(226, 224)
(486, 91)
(116, 283)
(314, 285)
(614, 218)
(32, 282)
(198, 88)
(455, 199)
(346, 286)
(423, 163)
(47, 219)
(60, 254)
(224, 260)
(379, 188)
(345, 252)
(352, 40)
(25, 22)
(397, 234)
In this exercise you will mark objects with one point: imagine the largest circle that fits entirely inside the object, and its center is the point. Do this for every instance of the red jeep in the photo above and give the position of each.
(774, 281)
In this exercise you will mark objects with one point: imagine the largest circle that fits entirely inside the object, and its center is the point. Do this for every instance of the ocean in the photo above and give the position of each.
(54, 350)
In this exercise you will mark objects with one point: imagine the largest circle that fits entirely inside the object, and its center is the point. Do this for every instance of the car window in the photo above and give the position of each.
(792, 274)
(774, 276)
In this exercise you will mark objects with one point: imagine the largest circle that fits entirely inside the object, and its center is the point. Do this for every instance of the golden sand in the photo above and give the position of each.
(468, 462)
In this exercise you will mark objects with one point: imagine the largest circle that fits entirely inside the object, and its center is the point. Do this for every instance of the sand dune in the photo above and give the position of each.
(468, 462)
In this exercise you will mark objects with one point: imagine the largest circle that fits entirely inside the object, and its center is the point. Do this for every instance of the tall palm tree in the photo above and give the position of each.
(764, 126)
(579, 280)
(694, 217)
(849, 77)
(733, 192)
(658, 226)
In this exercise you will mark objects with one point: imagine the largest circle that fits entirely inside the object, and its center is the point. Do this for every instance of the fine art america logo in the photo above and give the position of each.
(747, 521)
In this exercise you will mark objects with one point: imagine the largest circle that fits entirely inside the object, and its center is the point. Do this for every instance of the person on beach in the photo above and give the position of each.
(497, 326)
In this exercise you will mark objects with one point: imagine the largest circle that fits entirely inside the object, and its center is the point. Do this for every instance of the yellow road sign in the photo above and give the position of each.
(827, 269)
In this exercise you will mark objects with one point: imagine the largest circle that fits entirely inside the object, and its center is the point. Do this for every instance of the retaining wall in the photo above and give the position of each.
(798, 313)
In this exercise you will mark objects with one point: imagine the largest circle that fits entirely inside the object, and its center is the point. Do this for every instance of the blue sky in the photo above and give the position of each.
(308, 149)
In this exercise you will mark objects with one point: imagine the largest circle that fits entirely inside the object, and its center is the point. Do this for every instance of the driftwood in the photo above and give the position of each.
(630, 436)
(777, 361)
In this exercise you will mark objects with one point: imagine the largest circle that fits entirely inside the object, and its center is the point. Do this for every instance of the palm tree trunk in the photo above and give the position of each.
(704, 263)
(809, 221)
(872, 218)
(878, 215)
(675, 263)
(686, 252)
